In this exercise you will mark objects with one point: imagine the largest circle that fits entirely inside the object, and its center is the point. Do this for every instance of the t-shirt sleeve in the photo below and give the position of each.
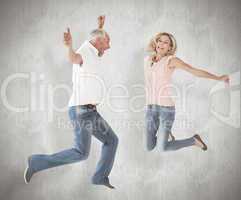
(82, 50)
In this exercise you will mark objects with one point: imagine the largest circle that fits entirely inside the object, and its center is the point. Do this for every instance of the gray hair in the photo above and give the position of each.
(97, 33)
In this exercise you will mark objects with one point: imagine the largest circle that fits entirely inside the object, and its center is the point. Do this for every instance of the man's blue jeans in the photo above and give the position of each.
(157, 115)
(86, 122)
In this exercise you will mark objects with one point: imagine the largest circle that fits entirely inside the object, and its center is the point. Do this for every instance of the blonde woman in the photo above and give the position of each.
(160, 110)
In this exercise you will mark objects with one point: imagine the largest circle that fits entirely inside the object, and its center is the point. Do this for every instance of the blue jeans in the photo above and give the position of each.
(157, 115)
(86, 122)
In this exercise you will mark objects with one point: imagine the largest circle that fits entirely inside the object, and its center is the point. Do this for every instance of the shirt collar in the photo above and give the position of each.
(93, 48)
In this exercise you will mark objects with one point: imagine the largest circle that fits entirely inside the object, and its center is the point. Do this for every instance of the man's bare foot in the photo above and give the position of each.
(109, 185)
(199, 142)
(104, 182)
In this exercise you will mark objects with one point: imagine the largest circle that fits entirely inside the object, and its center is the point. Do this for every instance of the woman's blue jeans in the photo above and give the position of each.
(162, 117)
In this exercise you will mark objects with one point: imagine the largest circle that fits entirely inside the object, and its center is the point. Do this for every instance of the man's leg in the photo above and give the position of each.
(106, 135)
(40, 162)
(80, 151)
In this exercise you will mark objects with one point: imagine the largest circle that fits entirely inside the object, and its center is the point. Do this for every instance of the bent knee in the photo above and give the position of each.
(166, 147)
(150, 147)
(115, 140)
(83, 154)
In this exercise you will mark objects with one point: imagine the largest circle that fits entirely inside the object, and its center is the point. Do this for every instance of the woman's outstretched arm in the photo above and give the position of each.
(178, 63)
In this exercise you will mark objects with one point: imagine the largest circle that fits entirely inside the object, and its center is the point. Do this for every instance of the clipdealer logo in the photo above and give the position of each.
(40, 92)
(230, 101)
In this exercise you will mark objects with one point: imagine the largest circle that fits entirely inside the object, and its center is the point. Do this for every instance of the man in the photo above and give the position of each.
(82, 111)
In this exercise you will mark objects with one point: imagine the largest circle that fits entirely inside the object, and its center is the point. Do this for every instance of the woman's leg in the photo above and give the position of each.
(152, 125)
(168, 118)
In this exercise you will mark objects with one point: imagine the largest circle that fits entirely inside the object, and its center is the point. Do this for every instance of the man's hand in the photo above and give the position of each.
(224, 78)
(68, 38)
(101, 21)
(74, 58)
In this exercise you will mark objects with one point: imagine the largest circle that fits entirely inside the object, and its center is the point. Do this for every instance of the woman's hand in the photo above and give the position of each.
(224, 78)
(153, 59)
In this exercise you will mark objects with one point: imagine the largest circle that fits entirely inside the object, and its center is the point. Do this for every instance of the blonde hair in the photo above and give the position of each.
(152, 44)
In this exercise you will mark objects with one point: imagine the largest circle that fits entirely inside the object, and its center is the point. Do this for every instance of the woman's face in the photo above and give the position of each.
(163, 45)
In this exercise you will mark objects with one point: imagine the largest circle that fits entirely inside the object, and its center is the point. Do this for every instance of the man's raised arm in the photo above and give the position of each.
(101, 21)
(74, 58)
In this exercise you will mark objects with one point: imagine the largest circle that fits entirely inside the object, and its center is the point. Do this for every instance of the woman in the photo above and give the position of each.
(158, 69)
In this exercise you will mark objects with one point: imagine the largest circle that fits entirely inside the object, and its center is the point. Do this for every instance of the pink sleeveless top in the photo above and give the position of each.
(158, 82)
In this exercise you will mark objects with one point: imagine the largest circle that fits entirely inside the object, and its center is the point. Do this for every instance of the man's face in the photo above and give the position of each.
(103, 43)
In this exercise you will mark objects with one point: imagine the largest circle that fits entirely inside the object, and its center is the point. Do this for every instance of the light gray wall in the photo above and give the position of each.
(208, 35)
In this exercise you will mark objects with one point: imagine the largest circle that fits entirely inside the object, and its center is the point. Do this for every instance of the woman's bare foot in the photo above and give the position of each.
(199, 142)
(171, 137)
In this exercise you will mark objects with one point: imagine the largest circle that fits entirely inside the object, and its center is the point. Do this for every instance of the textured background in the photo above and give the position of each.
(208, 35)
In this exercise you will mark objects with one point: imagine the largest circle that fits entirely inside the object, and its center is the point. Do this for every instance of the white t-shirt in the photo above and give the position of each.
(88, 86)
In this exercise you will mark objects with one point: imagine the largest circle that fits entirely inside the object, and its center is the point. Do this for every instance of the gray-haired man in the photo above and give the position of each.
(82, 111)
